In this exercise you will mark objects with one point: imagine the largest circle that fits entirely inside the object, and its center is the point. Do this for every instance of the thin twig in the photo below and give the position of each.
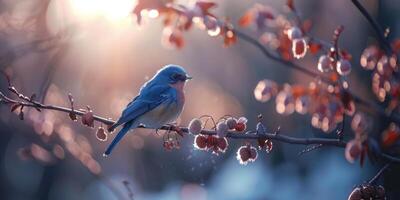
(368, 104)
(375, 25)
(249, 39)
(276, 58)
(230, 134)
(309, 149)
(380, 172)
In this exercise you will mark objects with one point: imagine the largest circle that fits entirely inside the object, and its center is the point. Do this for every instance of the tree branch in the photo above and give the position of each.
(231, 134)
(375, 25)
(253, 41)
(380, 172)
(249, 135)
(380, 110)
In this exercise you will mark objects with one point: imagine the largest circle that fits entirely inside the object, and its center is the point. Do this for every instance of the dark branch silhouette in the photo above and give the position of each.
(249, 135)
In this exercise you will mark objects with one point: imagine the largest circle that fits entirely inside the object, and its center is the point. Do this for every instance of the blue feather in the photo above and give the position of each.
(118, 138)
(155, 105)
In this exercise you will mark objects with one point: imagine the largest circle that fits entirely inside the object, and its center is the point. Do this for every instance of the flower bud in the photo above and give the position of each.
(200, 142)
(294, 33)
(222, 129)
(231, 122)
(195, 126)
(353, 150)
(299, 48)
(343, 67)
(324, 64)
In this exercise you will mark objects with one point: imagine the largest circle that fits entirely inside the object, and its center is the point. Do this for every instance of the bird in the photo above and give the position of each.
(160, 101)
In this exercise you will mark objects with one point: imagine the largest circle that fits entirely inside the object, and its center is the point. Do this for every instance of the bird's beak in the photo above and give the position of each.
(189, 77)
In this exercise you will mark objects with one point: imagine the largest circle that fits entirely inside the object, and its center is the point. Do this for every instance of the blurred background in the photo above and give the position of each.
(102, 57)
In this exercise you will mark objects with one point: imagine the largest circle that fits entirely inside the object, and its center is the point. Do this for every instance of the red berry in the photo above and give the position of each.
(269, 146)
(222, 144)
(243, 155)
(167, 145)
(240, 127)
(200, 142)
(212, 141)
(299, 48)
(215, 149)
(242, 120)
(261, 142)
(253, 153)
(101, 134)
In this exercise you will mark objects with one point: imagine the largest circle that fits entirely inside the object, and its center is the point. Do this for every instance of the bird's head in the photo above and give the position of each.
(172, 74)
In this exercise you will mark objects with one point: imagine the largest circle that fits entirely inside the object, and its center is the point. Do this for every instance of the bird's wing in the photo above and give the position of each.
(147, 100)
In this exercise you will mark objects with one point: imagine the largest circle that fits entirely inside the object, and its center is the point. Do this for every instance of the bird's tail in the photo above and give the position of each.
(117, 138)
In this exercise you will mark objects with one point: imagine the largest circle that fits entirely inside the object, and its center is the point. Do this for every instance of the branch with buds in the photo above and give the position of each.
(329, 96)
(88, 118)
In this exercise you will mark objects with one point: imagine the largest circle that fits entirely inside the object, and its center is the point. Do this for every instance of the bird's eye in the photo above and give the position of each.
(174, 76)
(178, 77)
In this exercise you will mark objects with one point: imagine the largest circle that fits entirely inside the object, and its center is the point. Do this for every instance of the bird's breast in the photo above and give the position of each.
(180, 94)
(163, 114)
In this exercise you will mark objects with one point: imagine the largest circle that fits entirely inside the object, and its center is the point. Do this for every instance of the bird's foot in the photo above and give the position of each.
(175, 128)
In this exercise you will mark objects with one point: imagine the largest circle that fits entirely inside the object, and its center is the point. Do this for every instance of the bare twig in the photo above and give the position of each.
(380, 172)
(309, 149)
(375, 25)
(379, 109)
(276, 58)
(230, 134)
(249, 135)
(273, 56)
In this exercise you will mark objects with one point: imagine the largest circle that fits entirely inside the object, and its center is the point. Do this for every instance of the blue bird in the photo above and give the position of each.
(160, 101)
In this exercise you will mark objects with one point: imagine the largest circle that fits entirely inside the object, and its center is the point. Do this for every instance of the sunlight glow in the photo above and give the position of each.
(114, 10)
(153, 13)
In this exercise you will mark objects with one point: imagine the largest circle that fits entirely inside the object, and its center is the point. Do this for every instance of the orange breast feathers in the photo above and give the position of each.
(180, 86)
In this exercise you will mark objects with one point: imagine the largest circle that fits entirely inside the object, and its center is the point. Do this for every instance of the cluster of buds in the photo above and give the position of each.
(224, 125)
(333, 61)
(368, 191)
(326, 104)
(171, 144)
(181, 18)
(232, 123)
(358, 147)
(87, 119)
(171, 140)
(211, 142)
(216, 143)
(385, 83)
(384, 67)
(290, 38)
